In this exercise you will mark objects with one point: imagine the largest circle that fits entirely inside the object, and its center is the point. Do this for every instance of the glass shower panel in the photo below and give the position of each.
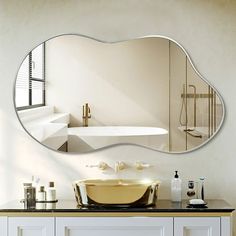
(177, 105)
(196, 110)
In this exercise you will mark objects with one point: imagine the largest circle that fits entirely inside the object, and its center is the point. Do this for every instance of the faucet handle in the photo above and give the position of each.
(89, 112)
(119, 165)
(140, 165)
(101, 165)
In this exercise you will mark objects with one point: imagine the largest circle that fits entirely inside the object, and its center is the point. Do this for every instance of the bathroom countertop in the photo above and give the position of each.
(162, 208)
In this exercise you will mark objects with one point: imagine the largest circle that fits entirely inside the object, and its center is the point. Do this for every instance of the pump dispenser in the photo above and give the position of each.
(176, 188)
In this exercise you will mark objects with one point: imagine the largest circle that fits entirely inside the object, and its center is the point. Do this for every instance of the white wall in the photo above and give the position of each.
(125, 83)
(207, 29)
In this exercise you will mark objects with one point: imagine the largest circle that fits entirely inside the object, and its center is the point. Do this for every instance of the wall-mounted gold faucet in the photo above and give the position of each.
(86, 114)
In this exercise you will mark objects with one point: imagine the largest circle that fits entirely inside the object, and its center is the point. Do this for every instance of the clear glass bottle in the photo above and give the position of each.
(202, 189)
(29, 196)
(176, 188)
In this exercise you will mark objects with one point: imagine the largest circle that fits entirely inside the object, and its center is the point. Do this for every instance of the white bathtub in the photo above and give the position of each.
(116, 131)
(83, 139)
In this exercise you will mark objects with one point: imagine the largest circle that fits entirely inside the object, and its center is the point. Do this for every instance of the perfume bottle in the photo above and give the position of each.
(191, 193)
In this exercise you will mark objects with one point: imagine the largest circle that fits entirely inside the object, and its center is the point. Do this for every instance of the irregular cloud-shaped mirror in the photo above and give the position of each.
(76, 94)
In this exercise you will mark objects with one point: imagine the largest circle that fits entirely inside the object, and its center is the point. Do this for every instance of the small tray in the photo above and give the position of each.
(55, 201)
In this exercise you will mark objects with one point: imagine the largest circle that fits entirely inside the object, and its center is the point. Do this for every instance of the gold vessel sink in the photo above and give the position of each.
(116, 192)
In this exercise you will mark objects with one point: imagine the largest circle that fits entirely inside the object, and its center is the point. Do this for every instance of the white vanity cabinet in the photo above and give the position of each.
(115, 226)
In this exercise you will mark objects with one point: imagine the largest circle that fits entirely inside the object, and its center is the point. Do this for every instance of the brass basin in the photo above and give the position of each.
(116, 192)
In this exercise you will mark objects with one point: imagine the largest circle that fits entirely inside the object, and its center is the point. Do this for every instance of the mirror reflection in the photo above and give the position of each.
(75, 94)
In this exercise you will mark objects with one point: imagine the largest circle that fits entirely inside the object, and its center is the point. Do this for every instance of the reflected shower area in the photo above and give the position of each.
(196, 110)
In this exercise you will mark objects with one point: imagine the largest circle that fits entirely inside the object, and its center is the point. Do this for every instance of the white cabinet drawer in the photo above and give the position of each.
(3, 226)
(31, 226)
(115, 226)
(197, 226)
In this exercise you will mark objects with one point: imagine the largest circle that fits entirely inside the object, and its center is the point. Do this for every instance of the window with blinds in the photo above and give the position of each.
(30, 81)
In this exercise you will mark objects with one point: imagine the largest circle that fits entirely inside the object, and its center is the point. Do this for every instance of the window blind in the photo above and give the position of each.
(30, 82)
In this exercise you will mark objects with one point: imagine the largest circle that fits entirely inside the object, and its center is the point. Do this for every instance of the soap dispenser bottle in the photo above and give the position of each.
(176, 188)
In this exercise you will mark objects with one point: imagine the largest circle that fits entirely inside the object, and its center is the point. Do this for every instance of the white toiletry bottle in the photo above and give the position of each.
(176, 185)
(41, 194)
(51, 192)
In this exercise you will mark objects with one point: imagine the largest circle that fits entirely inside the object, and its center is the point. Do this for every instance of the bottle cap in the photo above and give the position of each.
(41, 189)
(176, 174)
(51, 184)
